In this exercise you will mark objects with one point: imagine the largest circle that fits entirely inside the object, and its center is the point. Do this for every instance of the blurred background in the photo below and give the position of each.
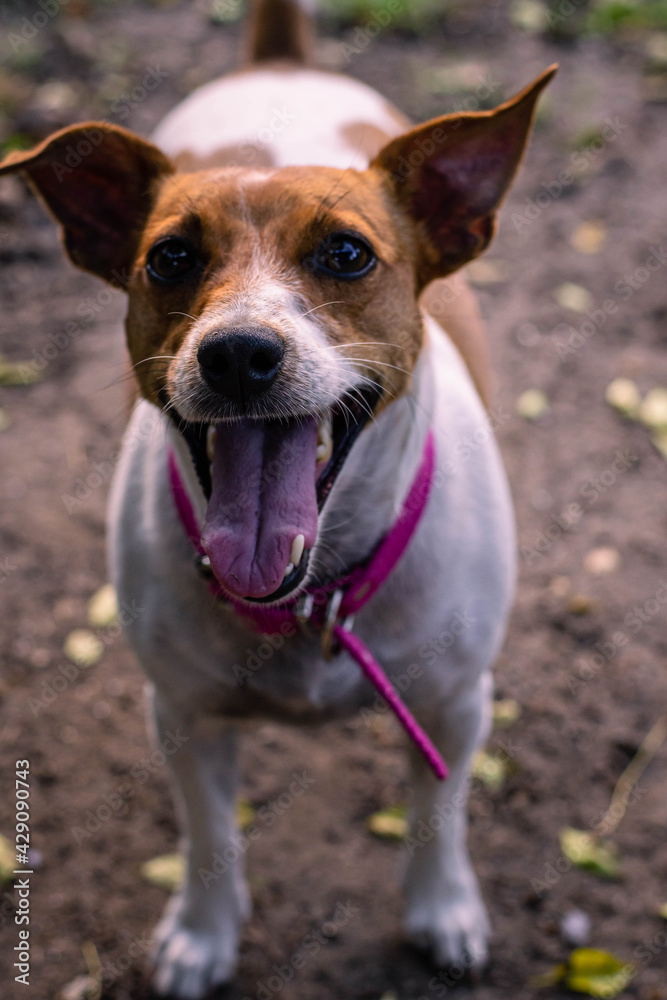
(568, 805)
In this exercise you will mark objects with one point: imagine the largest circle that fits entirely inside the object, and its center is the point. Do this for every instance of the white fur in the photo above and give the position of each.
(458, 568)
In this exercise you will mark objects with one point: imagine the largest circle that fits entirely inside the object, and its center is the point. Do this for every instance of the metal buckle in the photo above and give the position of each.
(329, 649)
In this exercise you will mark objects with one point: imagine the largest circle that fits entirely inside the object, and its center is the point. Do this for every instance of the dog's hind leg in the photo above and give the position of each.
(196, 942)
(444, 911)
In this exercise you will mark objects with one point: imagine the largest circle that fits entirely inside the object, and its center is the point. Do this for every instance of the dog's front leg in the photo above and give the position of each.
(444, 910)
(196, 942)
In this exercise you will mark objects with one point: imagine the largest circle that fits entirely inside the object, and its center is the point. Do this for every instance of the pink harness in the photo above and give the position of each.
(331, 609)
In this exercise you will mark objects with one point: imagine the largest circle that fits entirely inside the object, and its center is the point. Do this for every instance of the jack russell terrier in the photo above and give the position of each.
(309, 466)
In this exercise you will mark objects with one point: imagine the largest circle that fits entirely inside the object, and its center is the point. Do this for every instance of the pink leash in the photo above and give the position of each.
(352, 593)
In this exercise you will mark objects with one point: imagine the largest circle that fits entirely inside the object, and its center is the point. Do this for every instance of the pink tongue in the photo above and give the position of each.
(263, 496)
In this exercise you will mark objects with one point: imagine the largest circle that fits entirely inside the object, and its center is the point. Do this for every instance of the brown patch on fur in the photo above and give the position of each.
(365, 138)
(454, 306)
(279, 29)
(244, 154)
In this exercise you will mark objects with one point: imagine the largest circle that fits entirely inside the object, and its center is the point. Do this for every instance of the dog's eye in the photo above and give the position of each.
(170, 260)
(342, 255)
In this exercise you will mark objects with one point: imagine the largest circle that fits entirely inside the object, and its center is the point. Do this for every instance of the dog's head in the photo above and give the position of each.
(271, 312)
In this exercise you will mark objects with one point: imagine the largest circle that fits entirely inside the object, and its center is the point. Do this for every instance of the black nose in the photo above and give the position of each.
(240, 364)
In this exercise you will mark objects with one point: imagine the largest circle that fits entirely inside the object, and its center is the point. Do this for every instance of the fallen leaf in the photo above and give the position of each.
(602, 560)
(580, 604)
(506, 711)
(80, 988)
(653, 409)
(531, 404)
(623, 395)
(484, 272)
(166, 871)
(103, 607)
(531, 15)
(589, 237)
(5, 420)
(83, 647)
(598, 857)
(7, 860)
(17, 372)
(573, 297)
(489, 769)
(662, 911)
(659, 440)
(389, 824)
(597, 973)
(245, 814)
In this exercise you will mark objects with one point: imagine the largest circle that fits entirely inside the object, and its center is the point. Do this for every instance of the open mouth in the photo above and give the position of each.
(266, 482)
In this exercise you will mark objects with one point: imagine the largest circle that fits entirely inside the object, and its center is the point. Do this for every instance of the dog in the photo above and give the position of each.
(308, 393)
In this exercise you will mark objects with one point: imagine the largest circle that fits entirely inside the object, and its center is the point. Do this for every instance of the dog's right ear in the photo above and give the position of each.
(100, 182)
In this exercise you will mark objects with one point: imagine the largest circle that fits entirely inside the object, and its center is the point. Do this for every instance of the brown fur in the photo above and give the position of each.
(424, 221)
(279, 30)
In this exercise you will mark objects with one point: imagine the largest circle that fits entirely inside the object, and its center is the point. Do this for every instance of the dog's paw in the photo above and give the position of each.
(189, 963)
(453, 932)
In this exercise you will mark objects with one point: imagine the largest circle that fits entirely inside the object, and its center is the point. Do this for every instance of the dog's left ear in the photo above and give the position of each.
(452, 173)
(99, 181)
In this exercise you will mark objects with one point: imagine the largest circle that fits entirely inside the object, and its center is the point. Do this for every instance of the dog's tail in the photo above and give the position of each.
(280, 29)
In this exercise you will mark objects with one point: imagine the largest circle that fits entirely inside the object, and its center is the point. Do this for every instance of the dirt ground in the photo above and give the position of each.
(585, 654)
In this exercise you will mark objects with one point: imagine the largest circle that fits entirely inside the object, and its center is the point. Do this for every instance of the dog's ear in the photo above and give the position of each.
(452, 173)
(99, 181)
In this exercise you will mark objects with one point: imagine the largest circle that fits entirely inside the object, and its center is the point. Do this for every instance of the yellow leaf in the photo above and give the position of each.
(5, 420)
(662, 911)
(623, 395)
(490, 770)
(598, 857)
(103, 607)
(17, 372)
(530, 15)
(166, 871)
(573, 297)
(83, 647)
(659, 439)
(506, 711)
(597, 973)
(7, 860)
(245, 814)
(531, 404)
(81, 988)
(389, 824)
(653, 409)
(589, 237)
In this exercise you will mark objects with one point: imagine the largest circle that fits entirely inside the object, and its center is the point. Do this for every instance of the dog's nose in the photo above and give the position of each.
(240, 364)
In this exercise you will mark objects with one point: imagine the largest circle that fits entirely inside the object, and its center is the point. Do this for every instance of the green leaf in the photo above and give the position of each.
(7, 860)
(166, 871)
(389, 824)
(599, 857)
(597, 973)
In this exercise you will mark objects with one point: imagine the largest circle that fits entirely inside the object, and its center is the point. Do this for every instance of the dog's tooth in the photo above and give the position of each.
(298, 545)
(324, 440)
(290, 569)
(210, 441)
